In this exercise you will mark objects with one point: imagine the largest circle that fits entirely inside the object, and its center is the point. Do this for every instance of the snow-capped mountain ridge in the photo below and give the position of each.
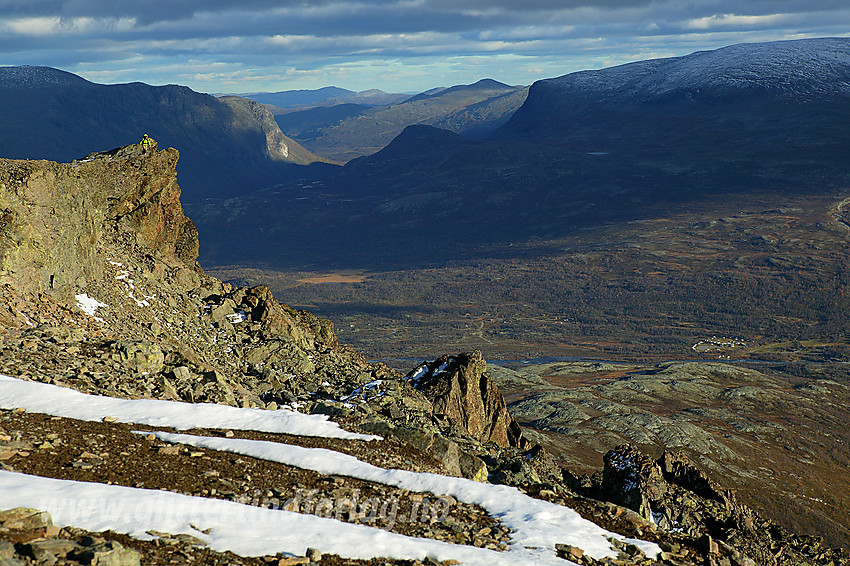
(787, 68)
(32, 76)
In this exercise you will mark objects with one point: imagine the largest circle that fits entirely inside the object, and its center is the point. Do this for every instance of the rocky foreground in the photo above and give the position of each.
(101, 292)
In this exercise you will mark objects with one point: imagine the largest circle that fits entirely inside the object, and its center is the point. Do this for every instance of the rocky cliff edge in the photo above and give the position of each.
(99, 254)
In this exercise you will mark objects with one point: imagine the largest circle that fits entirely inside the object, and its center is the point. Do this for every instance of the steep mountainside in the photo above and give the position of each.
(228, 147)
(127, 315)
(706, 96)
(620, 144)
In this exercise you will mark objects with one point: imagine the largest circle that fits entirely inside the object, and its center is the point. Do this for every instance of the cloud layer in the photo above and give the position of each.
(406, 45)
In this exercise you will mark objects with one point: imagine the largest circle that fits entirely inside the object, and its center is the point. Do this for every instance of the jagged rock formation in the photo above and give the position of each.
(467, 401)
(677, 496)
(110, 227)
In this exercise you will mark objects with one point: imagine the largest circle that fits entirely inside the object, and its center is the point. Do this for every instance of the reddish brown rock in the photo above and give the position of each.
(54, 215)
(462, 394)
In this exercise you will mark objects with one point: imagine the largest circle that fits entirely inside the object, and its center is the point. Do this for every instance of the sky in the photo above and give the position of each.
(245, 46)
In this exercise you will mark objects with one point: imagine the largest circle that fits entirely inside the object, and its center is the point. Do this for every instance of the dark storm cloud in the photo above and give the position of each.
(198, 18)
(154, 11)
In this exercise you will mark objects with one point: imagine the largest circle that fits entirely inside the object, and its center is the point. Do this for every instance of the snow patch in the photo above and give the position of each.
(537, 524)
(420, 372)
(237, 317)
(124, 276)
(362, 390)
(62, 402)
(90, 305)
(252, 531)
(444, 367)
(225, 525)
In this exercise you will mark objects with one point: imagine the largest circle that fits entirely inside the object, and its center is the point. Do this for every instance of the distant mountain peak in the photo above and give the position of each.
(483, 84)
(491, 83)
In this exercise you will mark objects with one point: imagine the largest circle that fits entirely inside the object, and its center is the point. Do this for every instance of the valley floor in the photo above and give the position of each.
(752, 277)
(764, 279)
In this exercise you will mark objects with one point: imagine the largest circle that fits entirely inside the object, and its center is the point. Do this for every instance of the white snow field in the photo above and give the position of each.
(63, 402)
(254, 531)
(536, 523)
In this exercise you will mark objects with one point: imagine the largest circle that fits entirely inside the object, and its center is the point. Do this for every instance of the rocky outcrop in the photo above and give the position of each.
(676, 495)
(54, 215)
(148, 200)
(466, 400)
(101, 246)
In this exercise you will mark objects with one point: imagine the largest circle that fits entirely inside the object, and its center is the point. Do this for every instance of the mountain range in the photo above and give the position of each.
(229, 145)
(293, 100)
(619, 144)
(346, 131)
(630, 211)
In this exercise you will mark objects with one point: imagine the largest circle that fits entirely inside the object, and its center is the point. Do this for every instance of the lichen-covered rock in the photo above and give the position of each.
(22, 518)
(52, 215)
(280, 355)
(138, 355)
(455, 461)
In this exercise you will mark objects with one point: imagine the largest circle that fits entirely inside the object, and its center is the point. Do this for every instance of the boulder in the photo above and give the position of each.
(285, 356)
(632, 479)
(22, 518)
(138, 355)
